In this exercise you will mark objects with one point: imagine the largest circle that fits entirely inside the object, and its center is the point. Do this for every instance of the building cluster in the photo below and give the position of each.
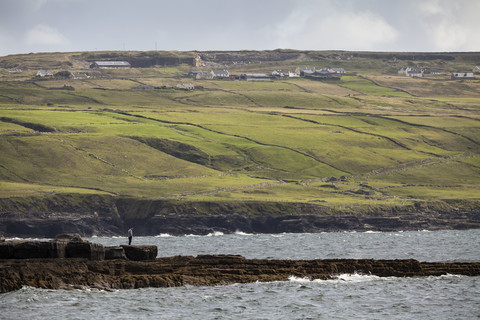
(304, 72)
(307, 72)
(419, 73)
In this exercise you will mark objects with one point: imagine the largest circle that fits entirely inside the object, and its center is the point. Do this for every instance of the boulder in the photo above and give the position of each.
(112, 253)
(140, 253)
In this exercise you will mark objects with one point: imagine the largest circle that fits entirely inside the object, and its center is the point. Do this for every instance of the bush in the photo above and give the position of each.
(63, 75)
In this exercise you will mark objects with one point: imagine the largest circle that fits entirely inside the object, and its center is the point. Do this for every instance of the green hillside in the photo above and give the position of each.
(372, 139)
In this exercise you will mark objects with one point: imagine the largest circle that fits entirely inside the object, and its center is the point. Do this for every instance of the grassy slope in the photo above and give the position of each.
(397, 140)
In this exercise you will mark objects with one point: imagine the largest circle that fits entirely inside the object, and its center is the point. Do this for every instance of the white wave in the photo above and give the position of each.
(299, 280)
(371, 231)
(446, 277)
(215, 234)
(163, 235)
(355, 277)
(27, 239)
(241, 233)
(343, 278)
(358, 278)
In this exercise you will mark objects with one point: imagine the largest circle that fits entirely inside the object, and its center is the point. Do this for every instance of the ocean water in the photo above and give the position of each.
(347, 297)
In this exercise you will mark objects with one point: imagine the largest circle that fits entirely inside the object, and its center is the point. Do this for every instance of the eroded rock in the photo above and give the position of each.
(140, 253)
(112, 253)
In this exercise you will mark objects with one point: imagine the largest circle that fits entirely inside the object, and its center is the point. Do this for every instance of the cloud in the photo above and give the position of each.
(361, 30)
(45, 35)
(450, 26)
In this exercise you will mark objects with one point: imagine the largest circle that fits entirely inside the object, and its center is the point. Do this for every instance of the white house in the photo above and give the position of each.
(220, 73)
(293, 74)
(281, 73)
(463, 76)
(44, 73)
(335, 70)
(186, 86)
(411, 72)
(415, 73)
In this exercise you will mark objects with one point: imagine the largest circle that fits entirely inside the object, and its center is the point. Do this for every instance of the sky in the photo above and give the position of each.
(357, 25)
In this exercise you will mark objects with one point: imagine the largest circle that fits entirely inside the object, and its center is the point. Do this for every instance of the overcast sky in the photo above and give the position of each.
(361, 25)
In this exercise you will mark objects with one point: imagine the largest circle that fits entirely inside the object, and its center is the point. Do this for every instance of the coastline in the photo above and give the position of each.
(109, 216)
(203, 270)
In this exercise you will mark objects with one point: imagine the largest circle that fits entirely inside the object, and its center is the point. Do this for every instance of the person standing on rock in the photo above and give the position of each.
(130, 235)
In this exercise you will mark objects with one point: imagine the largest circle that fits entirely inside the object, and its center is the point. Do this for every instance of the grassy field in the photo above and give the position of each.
(393, 140)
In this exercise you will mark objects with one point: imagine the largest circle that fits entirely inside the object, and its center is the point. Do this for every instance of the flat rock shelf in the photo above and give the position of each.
(203, 270)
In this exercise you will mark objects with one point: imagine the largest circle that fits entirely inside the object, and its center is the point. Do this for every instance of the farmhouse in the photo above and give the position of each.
(476, 69)
(463, 76)
(415, 73)
(110, 65)
(44, 73)
(220, 74)
(334, 70)
(411, 72)
(186, 86)
(281, 73)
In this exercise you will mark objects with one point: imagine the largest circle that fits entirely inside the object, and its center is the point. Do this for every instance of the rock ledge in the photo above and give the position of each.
(205, 270)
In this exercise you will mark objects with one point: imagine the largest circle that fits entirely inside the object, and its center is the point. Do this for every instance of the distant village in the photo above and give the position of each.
(300, 72)
(419, 73)
(306, 72)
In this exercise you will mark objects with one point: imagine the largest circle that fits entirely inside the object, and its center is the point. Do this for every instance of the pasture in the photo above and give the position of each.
(392, 140)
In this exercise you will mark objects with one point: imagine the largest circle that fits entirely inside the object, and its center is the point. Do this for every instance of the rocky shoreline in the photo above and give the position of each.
(70, 262)
(81, 273)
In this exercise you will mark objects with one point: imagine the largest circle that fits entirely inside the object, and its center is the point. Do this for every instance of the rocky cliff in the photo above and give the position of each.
(104, 215)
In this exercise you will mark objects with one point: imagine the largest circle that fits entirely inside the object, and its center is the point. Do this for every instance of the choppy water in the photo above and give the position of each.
(348, 297)
(448, 245)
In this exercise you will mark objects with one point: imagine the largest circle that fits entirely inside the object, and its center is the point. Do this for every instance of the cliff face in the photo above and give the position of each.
(104, 215)
(202, 270)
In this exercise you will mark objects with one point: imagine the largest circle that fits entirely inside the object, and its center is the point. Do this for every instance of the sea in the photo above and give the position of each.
(348, 296)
